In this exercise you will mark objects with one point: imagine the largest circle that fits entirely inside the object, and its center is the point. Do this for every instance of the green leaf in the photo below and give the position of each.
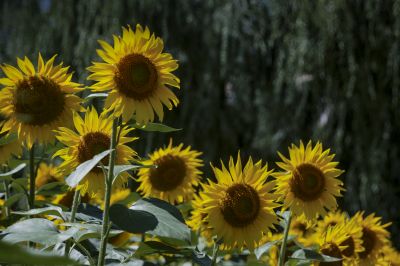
(267, 246)
(16, 255)
(8, 139)
(14, 199)
(86, 231)
(7, 175)
(52, 188)
(157, 247)
(37, 230)
(84, 168)
(144, 216)
(156, 127)
(309, 254)
(96, 95)
(118, 169)
(52, 210)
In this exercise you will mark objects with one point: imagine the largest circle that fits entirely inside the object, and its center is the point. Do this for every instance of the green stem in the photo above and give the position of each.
(107, 195)
(7, 196)
(32, 177)
(84, 250)
(215, 253)
(281, 260)
(74, 208)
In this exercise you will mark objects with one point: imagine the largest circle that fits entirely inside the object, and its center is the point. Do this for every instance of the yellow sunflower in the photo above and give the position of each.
(391, 255)
(308, 185)
(9, 148)
(374, 236)
(331, 243)
(93, 137)
(239, 208)
(175, 174)
(47, 174)
(137, 72)
(302, 229)
(35, 102)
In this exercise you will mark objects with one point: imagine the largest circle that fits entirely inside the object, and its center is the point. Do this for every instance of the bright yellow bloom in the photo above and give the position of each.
(137, 73)
(47, 174)
(302, 229)
(238, 208)
(308, 185)
(175, 173)
(374, 236)
(93, 137)
(331, 243)
(35, 102)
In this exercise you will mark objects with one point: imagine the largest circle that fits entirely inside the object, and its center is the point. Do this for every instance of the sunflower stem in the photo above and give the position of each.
(7, 196)
(74, 208)
(107, 195)
(281, 260)
(32, 177)
(215, 253)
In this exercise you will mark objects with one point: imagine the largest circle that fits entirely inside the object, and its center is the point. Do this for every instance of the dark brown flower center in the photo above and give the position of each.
(308, 182)
(92, 144)
(369, 239)
(332, 250)
(169, 174)
(301, 227)
(349, 250)
(38, 101)
(136, 76)
(240, 205)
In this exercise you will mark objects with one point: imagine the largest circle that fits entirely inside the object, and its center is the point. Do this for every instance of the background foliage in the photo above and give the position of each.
(256, 75)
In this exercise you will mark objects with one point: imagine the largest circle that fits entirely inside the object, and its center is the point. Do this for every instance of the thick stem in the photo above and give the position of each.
(74, 208)
(32, 177)
(107, 195)
(215, 253)
(7, 196)
(281, 260)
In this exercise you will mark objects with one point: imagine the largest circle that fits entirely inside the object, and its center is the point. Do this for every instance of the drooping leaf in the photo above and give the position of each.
(16, 255)
(157, 127)
(52, 210)
(52, 188)
(174, 211)
(267, 246)
(37, 230)
(84, 168)
(158, 221)
(131, 220)
(14, 199)
(7, 175)
(309, 254)
(96, 95)
(119, 169)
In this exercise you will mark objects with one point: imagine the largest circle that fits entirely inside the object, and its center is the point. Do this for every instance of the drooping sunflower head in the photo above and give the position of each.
(238, 208)
(92, 136)
(35, 102)
(302, 229)
(47, 173)
(138, 73)
(175, 173)
(374, 235)
(308, 183)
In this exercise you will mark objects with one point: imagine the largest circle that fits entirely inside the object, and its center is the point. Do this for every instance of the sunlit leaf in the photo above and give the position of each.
(52, 210)
(7, 175)
(309, 254)
(96, 95)
(156, 127)
(84, 168)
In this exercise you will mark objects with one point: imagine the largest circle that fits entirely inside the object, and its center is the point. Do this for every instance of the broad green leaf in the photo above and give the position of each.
(52, 188)
(8, 139)
(267, 246)
(84, 168)
(156, 247)
(7, 175)
(174, 211)
(118, 169)
(96, 95)
(16, 255)
(309, 254)
(52, 210)
(156, 127)
(144, 216)
(37, 230)
(14, 199)
(86, 231)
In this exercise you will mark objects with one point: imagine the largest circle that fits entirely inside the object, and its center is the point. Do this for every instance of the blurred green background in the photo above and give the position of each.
(256, 76)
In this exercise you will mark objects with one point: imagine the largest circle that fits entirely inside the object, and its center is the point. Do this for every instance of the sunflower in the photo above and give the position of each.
(374, 236)
(331, 243)
(391, 255)
(47, 174)
(175, 174)
(308, 185)
(302, 229)
(35, 102)
(137, 72)
(93, 137)
(9, 148)
(238, 208)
